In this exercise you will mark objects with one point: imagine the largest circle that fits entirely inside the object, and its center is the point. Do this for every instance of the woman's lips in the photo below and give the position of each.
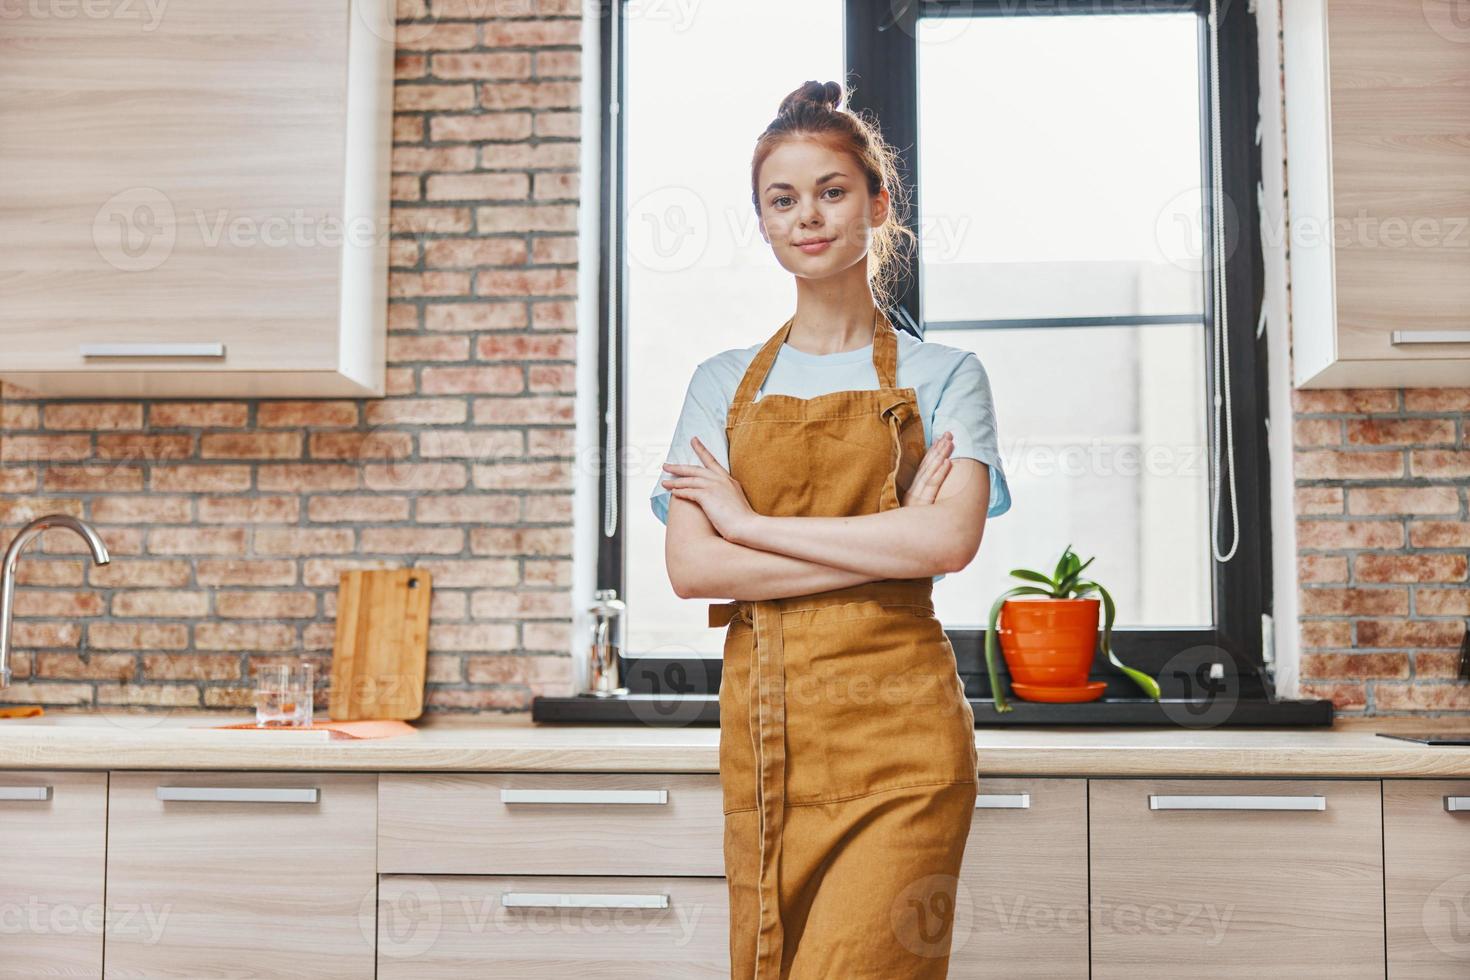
(815, 247)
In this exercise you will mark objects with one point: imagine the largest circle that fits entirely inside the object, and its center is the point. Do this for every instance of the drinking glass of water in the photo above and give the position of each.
(283, 694)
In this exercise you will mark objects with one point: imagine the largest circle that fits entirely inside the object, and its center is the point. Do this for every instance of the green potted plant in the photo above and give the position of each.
(1049, 643)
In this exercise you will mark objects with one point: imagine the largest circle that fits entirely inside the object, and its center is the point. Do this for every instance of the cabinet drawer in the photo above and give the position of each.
(1426, 864)
(1022, 900)
(1236, 878)
(550, 823)
(227, 874)
(53, 840)
(552, 927)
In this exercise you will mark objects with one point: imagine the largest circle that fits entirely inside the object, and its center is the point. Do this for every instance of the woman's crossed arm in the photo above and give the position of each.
(723, 548)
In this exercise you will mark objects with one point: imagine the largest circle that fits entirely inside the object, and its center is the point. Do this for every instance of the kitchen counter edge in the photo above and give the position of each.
(507, 744)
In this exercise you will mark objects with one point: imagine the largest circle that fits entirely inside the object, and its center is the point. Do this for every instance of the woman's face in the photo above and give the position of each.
(809, 193)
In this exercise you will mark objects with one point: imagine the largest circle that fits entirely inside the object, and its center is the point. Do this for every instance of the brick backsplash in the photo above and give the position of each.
(1382, 538)
(229, 522)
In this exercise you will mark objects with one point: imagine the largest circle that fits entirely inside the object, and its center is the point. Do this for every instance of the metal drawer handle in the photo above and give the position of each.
(25, 792)
(570, 900)
(237, 794)
(1457, 804)
(584, 795)
(1430, 337)
(153, 350)
(1156, 802)
(1003, 801)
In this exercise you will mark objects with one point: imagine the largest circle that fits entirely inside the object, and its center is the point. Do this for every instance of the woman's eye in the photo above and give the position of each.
(777, 201)
(837, 189)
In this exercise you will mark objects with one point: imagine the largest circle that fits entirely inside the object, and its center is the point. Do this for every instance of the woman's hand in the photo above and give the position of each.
(933, 468)
(713, 488)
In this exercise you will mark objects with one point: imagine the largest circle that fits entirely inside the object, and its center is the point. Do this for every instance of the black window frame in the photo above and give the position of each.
(881, 57)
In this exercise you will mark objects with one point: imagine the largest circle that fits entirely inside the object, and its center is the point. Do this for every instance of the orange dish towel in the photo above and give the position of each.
(21, 711)
(374, 728)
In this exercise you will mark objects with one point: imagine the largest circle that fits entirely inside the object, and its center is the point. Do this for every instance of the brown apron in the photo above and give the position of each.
(847, 748)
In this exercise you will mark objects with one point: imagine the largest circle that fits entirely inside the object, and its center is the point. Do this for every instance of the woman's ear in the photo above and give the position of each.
(880, 207)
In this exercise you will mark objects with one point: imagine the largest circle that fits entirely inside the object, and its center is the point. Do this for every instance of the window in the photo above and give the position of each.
(1060, 150)
(1060, 233)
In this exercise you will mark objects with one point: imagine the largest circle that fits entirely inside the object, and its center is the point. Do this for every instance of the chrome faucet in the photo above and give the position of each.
(7, 571)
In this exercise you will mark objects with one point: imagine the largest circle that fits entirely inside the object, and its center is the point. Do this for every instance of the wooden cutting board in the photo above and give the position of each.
(382, 643)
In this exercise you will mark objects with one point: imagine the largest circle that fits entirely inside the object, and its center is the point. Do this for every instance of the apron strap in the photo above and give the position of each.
(768, 737)
(885, 360)
(888, 499)
(722, 613)
(885, 352)
(755, 375)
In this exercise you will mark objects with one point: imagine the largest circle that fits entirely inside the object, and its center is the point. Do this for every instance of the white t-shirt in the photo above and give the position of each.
(951, 384)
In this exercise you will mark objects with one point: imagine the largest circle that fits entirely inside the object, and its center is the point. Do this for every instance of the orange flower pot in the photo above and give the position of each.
(1049, 644)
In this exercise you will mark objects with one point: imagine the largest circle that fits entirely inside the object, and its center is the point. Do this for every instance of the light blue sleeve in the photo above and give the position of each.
(965, 407)
(704, 412)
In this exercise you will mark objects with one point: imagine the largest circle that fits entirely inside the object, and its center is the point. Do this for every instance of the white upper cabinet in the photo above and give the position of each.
(194, 197)
(1378, 167)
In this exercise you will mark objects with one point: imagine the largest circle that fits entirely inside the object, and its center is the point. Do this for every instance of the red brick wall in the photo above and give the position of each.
(229, 522)
(1382, 538)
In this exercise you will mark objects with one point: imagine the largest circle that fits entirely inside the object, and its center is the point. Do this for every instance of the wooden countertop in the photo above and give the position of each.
(115, 740)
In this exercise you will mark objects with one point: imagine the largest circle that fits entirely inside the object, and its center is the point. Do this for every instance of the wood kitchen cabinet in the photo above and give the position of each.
(1236, 879)
(53, 840)
(550, 875)
(1021, 909)
(549, 822)
(1426, 864)
(551, 927)
(1378, 94)
(230, 874)
(195, 198)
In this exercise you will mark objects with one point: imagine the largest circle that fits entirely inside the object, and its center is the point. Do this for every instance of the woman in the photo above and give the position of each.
(815, 494)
